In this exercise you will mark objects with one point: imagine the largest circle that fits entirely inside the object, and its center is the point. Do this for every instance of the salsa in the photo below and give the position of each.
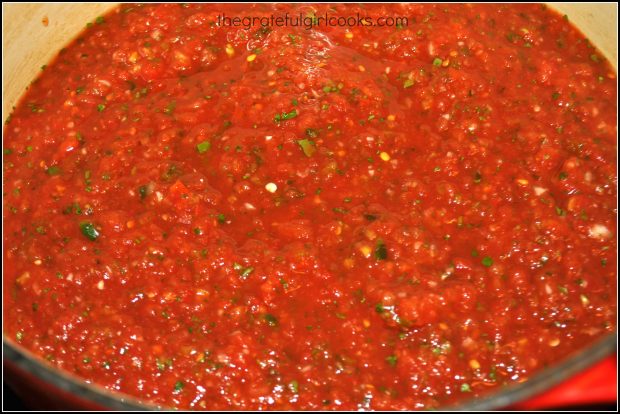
(339, 217)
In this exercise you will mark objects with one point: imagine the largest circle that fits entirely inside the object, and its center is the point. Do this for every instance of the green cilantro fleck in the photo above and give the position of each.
(143, 191)
(392, 360)
(381, 252)
(285, 115)
(53, 170)
(89, 230)
(203, 147)
(477, 177)
(271, 320)
(169, 109)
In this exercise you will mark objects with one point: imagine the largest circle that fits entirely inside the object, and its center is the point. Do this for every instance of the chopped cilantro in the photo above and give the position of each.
(204, 146)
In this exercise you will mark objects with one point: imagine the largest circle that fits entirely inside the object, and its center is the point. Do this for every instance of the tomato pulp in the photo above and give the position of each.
(358, 217)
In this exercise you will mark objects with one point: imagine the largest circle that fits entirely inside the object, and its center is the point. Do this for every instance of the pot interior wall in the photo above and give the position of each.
(28, 43)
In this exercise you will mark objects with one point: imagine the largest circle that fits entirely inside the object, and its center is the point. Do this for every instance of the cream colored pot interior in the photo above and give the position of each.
(28, 43)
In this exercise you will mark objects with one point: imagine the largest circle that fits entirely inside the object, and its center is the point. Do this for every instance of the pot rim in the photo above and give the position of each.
(543, 380)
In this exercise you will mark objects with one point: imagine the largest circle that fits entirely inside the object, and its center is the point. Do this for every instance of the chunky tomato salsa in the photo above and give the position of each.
(211, 216)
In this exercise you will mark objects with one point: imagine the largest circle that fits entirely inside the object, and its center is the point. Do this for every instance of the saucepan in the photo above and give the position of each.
(33, 34)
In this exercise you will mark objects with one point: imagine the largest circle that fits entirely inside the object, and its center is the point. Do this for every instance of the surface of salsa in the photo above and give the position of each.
(342, 217)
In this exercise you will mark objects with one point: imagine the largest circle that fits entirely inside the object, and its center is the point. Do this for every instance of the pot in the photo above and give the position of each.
(32, 35)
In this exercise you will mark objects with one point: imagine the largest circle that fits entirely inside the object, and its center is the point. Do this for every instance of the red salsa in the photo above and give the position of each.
(343, 217)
